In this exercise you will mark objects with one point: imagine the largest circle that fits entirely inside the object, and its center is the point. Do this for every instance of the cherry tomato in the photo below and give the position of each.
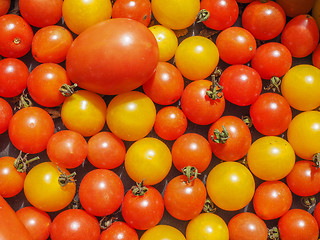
(37, 222)
(271, 158)
(175, 14)
(119, 230)
(265, 20)
(42, 180)
(196, 57)
(30, 129)
(131, 115)
(4, 7)
(247, 226)
(148, 160)
(301, 35)
(241, 84)
(6, 115)
(304, 134)
(236, 45)
(245, 1)
(316, 213)
(230, 186)
(139, 10)
(300, 87)
(106, 150)
(13, 77)
(74, 224)
(271, 114)
(316, 57)
(101, 192)
(80, 15)
(16, 36)
(51, 44)
(165, 87)
(162, 232)
(84, 112)
(298, 224)
(294, 8)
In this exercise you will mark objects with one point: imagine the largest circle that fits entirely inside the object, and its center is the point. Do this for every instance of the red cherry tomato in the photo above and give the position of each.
(4, 7)
(119, 230)
(6, 115)
(316, 57)
(316, 214)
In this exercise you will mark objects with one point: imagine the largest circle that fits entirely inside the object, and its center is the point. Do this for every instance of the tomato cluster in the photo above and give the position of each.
(161, 119)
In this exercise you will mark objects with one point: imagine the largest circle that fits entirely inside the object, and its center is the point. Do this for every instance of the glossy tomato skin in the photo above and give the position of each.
(265, 20)
(30, 129)
(143, 212)
(101, 192)
(184, 200)
(13, 77)
(316, 57)
(4, 7)
(294, 8)
(247, 226)
(119, 230)
(16, 36)
(102, 71)
(223, 13)
(63, 226)
(301, 35)
(238, 142)
(162, 232)
(298, 224)
(6, 115)
(316, 214)
(271, 114)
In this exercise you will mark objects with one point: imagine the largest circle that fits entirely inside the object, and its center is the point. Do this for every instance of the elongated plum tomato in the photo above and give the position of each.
(112, 57)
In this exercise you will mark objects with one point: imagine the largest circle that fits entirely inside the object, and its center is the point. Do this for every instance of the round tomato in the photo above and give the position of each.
(230, 186)
(45, 180)
(125, 59)
(316, 214)
(148, 160)
(4, 7)
(316, 12)
(196, 57)
(119, 230)
(131, 115)
(294, 8)
(162, 232)
(6, 115)
(316, 57)
(271, 158)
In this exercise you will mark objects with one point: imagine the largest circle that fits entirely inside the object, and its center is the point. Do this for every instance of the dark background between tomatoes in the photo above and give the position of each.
(7, 149)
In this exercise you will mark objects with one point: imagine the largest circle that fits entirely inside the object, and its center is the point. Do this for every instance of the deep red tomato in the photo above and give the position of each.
(101, 192)
(236, 45)
(30, 129)
(37, 222)
(142, 207)
(247, 226)
(304, 179)
(4, 7)
(229, 138)
(316, 214)
(272, 60)
(13, 77)
(271, 114)
(44, 83)
(241, 84)
(139, 10)
(119, 231)
(41, 13)
(16, 36)
(272, 199)
(6, 115)
(51, 44)
(170, 123)
(198, 107)
(123, 61)
(74, 224)
(301, 35)
(294, 8)
(165, 87)
(264, 19)
(298, 224)
(191, 149)
(184, 200)
(245, 1)
(316, 57)
(223, 13)
(106, 150)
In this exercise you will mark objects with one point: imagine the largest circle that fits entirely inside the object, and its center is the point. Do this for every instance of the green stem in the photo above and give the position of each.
(203, 15)
(273, 233)
(106, 222)
(190, 172)
(209, 206)
(67, 90)
(247, 120)
(309, 201)
(139, 189)
(274, 85)
(316, 160)
(22, 163)
(64, 179)
(23, 101)
(220, 137)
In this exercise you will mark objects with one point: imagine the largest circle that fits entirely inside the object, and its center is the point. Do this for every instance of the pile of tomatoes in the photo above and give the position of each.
(161, 119)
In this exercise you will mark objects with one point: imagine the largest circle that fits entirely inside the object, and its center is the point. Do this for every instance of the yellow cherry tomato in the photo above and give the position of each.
(81, 14)
(271, 158)
(148, 160)
(207, 226)
(167, 41)
(84, 112)
(196, 57)
(175, 14)
(230, 186)
(43, 190)
(301, 87)
(131, 115)
(162, 232)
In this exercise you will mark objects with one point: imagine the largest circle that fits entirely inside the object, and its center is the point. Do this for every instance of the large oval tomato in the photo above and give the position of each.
(6, 115)
(125, 59)
(162, 232)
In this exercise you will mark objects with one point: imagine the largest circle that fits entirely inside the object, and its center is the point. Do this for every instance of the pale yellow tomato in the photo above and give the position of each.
(162, 232)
